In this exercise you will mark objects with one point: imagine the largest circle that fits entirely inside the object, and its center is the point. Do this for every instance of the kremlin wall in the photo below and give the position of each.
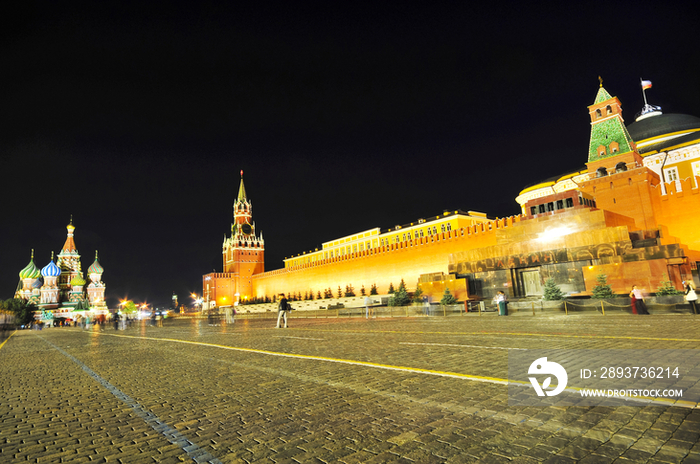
(632, 214)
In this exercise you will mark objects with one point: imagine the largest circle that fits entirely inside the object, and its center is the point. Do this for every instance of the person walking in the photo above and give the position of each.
(690, 295)
(282, 311)
(638, 304)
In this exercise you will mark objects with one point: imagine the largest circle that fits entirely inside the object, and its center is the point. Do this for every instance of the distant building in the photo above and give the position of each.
(59, 287)
(633, 213)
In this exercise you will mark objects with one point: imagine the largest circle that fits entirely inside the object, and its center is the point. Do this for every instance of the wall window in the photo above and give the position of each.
(696, 168)
(449, 227)
(560, 204)
(569, 202)
(533, 210)
(541, 209)
(671, 174)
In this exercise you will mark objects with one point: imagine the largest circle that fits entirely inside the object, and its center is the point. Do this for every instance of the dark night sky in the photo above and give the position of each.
(137, 119)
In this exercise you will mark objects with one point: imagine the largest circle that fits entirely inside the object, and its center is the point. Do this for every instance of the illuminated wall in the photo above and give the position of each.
(382, 265)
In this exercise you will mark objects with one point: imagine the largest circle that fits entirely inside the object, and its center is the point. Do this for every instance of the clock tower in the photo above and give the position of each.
(244, 251)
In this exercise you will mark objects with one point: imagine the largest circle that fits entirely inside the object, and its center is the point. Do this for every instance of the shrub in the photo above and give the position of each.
(602, 289)
(667, 289)
(447, 298)
(552, 292)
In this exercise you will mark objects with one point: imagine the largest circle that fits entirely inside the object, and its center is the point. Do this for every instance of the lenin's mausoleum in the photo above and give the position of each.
(632, 214)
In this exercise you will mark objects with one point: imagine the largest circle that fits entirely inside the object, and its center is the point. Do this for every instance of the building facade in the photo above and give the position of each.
(632, 214)
(58, 289)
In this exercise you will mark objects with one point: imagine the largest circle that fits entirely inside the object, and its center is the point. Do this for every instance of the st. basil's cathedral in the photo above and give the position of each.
(59, 287)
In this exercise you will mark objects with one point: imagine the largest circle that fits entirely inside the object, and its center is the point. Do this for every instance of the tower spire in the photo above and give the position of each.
(241, 189)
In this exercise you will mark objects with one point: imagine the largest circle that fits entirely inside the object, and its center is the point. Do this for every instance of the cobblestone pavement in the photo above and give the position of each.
(355, 390)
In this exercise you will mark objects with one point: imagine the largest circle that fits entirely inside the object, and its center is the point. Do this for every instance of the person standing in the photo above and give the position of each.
(282, 311)
(502, 303)
(638, 304)
(690, 295)
(368, 301)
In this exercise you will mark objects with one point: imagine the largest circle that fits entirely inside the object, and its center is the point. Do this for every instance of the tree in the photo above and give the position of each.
(23, 311)
(400, 297)
(602, 289)
(349, 290)
(391, 288)
(552, 292)
(318, 297)
(667, 288)
(340, 292)
(447, 298)
(418, 295)
(373, 290)
(363, 292)
(128, 307)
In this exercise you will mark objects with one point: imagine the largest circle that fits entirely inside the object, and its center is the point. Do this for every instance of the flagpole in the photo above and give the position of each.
(644, 93)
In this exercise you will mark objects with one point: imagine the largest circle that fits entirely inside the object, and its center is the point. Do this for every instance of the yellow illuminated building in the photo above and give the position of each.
(633, 213)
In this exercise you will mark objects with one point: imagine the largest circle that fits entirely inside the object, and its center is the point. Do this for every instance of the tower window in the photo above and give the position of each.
(608, 109)
(598, 114)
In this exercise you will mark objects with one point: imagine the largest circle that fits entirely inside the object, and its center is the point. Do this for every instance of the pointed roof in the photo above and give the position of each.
(241, 190)
(69, 246)
(602, 95)
(611, 128)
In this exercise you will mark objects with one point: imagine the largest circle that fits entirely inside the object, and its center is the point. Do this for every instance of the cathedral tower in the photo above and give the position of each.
(69, 263)
(244, 251)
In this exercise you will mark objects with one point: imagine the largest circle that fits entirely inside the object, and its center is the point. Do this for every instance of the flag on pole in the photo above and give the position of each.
(646, 85)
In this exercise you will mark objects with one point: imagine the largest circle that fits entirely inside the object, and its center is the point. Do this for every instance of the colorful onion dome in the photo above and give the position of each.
(95, 267)
(77, 281)
(38, 283)
(31, 271)
(51, 270)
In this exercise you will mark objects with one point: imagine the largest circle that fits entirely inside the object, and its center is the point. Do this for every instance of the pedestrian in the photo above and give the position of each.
(368, 301)
(502, 303)
(690, 295)
(638, 304)
(282, 310)
(116, 321)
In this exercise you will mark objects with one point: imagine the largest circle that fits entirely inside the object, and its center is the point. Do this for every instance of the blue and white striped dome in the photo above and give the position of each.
(51, 270)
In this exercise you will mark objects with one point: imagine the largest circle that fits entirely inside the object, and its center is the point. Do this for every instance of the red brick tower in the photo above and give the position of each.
(244, 251)
(619, 182)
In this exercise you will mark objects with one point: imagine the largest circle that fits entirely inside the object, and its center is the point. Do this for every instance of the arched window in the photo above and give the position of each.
(598, 114)
(620, 167)
(601, 172)
(608, 109)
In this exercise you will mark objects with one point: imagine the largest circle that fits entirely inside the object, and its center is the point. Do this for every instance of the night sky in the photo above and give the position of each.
(136, 120)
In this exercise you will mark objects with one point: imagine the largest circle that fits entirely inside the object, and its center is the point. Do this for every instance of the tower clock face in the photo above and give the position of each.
(246, 229)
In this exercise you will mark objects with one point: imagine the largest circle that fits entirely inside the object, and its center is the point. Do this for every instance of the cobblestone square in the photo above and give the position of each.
(423, 389)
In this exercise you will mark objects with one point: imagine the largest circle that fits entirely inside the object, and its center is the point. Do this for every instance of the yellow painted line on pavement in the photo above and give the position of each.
(521, 334)
(8, 339)
(477, 378)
